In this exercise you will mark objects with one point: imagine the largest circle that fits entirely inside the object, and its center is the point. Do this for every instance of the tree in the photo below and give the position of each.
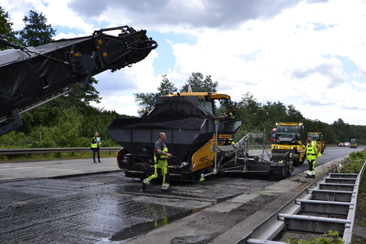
(77, 98)
(340, 128)
(6, 27)
(199, 84)
(36, 32)
(166, 87)
(250, 103)
(293, 115)
(147, 100)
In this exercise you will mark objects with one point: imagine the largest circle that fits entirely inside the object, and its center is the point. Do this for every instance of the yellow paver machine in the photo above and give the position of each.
(200, 142)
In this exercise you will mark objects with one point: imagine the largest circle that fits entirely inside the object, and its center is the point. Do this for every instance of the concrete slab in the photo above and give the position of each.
(175, 202)
(244, 198)
(224, 207)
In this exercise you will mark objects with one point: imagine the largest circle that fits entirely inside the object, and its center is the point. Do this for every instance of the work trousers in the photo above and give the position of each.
(163, 171)
(96, 150)
(311, 170)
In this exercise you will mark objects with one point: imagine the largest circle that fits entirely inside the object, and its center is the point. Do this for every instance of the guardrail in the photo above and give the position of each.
(55, 150)
(333, 195)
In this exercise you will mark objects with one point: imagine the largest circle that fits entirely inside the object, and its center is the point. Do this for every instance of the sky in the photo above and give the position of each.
(308, 53)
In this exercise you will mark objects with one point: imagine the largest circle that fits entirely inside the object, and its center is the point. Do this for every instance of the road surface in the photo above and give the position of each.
(110, 208)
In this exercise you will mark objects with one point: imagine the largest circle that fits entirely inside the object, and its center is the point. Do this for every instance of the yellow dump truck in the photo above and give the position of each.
(318, 137)
(289, 135)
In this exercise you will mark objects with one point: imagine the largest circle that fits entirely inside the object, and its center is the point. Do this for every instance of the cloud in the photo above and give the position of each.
(330, 69)
(193, 13)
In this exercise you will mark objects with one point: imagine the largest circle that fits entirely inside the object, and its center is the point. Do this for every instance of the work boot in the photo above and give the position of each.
(312, 176)
(143, 186)
(99, 161)
(94, 162)
(308, 176)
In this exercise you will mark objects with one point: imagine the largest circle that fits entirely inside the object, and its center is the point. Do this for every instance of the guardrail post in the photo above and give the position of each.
(72, 154)
(109, 153)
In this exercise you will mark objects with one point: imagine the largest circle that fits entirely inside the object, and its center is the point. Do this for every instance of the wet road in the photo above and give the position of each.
(102, 208)
(109, 208)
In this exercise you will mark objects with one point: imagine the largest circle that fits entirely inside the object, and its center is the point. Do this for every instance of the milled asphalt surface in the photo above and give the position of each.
(221, 223)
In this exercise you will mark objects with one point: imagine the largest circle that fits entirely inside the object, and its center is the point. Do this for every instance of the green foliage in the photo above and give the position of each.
(200, 84)
(166, 87)
(15, 140)
(147, 100)
(354, 162)
(36, 31)
(6, 27)
(256, 116)
(331, 238)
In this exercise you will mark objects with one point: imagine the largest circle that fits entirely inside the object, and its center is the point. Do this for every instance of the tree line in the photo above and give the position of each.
(256, 116)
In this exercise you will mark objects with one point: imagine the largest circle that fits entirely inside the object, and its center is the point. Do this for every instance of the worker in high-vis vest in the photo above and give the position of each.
(229, 114)
(161, 156)
(312, 152)
(95, 145)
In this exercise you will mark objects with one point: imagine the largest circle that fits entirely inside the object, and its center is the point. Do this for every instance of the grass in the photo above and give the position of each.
(331, 238)
(52, 156)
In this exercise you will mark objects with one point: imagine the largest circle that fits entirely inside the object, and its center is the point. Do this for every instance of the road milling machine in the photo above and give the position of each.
(32, 76)
(289, 135)
(200, 143)
(318, 137)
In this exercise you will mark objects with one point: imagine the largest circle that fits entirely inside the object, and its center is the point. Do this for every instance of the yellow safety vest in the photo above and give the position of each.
(230, 115)
(310, 151)
(162, 157)
(94, 145)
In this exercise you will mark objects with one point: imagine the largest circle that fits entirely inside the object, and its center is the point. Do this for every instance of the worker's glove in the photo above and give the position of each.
(295, 150)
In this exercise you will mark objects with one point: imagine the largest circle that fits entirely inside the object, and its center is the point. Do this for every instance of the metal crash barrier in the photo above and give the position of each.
(334, 195)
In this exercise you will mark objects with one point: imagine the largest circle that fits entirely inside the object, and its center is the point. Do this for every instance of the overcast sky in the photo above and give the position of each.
(310, 53)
